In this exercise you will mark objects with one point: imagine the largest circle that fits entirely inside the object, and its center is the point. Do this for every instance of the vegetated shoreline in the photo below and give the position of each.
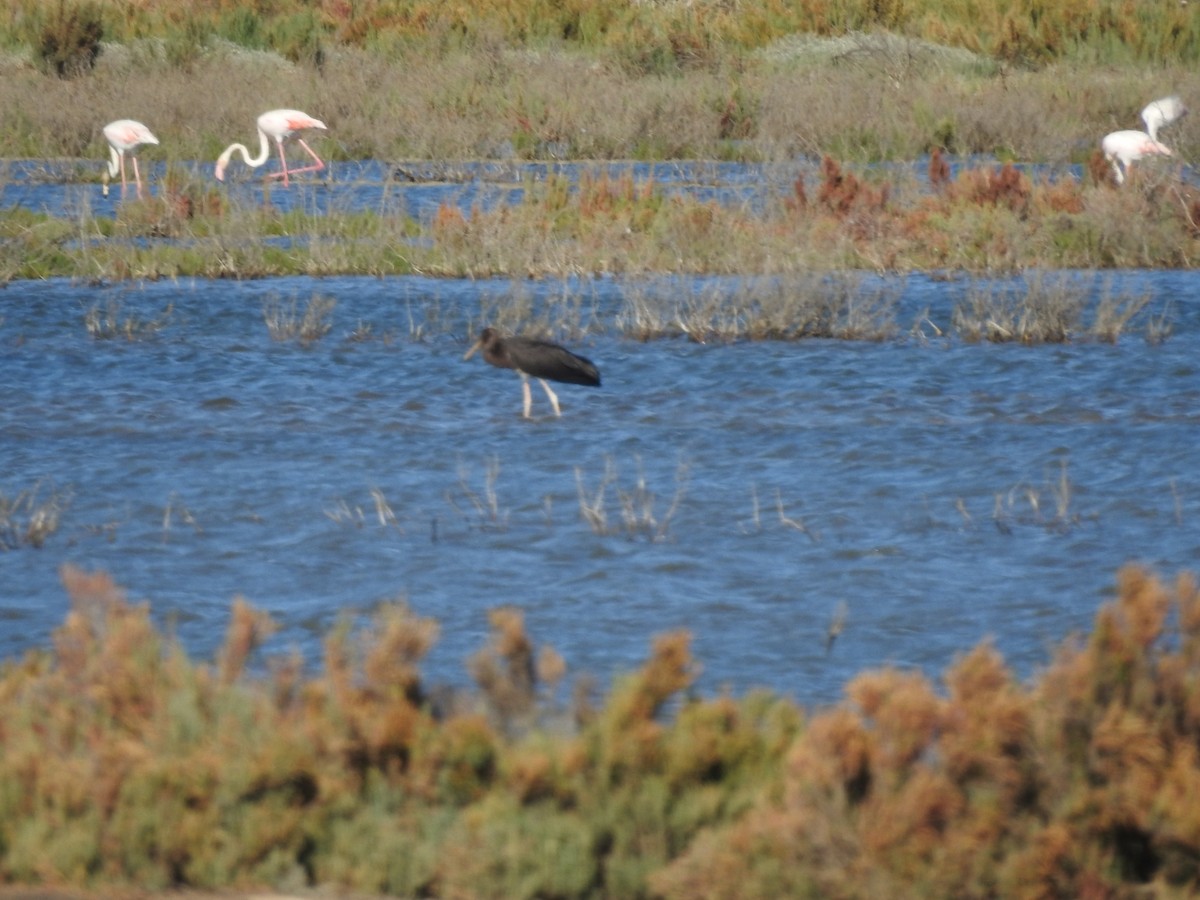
(127, 768)
(829, 113)
(979, 220)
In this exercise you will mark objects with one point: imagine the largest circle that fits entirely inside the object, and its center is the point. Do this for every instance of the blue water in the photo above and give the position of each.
(418, 188)
(749, 490)
(206, 460)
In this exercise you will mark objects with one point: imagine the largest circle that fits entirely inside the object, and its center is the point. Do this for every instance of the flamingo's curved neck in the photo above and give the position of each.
(264, 151)
(114, 162)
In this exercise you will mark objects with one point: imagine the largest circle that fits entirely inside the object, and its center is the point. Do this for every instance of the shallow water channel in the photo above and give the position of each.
(936, 492)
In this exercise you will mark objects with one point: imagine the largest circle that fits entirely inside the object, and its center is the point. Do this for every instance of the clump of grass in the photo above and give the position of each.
(1048, 506)
(785, 308)
(1041, 311)
(344, 513)
(638, 517)
(485, 510)
(1114, 314)
(287, 323)
(29, 518)
(106, 322)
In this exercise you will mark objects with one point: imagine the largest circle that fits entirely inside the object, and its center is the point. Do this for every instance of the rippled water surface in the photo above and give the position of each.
(944, 492)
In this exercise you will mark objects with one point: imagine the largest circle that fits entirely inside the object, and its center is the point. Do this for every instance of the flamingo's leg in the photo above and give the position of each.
(283, 163)
(137, 177)
(319, 163)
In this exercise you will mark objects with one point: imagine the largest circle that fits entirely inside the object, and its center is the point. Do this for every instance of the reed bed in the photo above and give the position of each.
(127, 764)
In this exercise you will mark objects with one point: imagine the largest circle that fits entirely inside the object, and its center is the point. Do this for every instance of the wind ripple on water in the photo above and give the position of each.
(945, 492)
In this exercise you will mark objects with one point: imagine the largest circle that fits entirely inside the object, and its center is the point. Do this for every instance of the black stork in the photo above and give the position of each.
(538, 359)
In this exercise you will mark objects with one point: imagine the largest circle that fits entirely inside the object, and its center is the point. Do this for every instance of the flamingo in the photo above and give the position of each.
(279, 124)
(1123, 148)
(124, 136)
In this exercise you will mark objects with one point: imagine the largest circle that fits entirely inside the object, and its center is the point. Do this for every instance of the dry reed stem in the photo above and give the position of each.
(27, 520)
(637, 505)
(488, 511)
(285, 323)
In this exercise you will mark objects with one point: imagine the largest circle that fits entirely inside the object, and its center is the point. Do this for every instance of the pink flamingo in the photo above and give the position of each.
(279, 124)
(1123, 148)
(124, 136)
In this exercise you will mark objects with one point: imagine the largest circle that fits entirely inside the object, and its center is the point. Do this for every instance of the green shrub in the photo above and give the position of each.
(69, 41)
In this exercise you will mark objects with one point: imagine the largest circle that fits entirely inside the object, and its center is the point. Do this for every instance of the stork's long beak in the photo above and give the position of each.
(475, 346)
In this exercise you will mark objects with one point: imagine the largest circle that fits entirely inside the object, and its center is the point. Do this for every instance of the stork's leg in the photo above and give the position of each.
(527, 394)
(549, 393)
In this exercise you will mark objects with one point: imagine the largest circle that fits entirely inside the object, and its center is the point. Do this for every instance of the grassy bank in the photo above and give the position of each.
(656, 35)
(858, 98)
(991, 218)
(125, 762)
(826, 101)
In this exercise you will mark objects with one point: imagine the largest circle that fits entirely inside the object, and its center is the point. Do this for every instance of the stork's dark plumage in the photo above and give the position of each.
(542, 360)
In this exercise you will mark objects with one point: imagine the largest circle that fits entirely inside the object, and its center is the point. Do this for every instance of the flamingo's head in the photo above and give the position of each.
(222, 162)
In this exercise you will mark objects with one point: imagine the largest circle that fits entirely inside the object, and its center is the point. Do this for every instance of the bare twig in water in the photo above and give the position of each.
(1062, 498)
(798, 524)
(487, 507)
(27, 520)
(176, 508)
(344, 514)
(383, 510)
(1059, 491)
(592, 509)
(1000, 517)
(755, 516)
(968, 522)
(836, 624)
(637, 505)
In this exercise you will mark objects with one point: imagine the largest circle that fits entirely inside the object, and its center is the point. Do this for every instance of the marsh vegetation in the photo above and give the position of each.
(128, 762)
(133, 764)
(830, 96)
